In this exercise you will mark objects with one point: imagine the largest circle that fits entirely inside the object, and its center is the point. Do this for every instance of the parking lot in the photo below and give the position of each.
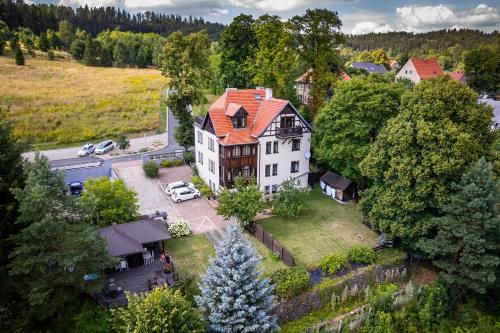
(199, 213)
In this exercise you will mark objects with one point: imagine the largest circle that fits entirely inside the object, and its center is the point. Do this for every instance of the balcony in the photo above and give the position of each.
(288, 132)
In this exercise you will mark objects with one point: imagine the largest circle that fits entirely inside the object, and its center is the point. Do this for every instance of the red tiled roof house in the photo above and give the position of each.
(247, 132)
(417, 69)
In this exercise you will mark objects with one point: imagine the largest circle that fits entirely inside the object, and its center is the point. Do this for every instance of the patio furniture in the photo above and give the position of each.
(123, 265)
(148, 258)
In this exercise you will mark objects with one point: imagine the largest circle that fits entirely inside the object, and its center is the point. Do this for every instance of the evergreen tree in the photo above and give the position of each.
(233, 298)
(465, 247)
(91, 53)
(43, 42)
(55, 249)
(18, 54)
(77, 48)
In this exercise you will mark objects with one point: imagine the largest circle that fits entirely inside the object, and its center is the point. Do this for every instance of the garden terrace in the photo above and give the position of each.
(323, 227)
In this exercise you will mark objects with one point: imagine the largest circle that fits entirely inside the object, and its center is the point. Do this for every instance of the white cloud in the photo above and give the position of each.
(424, 18)
(278, 5)
(366, 27)
(218, 11)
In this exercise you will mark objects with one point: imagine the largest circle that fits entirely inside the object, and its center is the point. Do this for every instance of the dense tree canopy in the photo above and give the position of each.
(439, 131)
(55, 249)
(482, 67)
(161, 310)
(243, 202)
(238, 43)
(348, 125)
(466, 244)
(109, 201)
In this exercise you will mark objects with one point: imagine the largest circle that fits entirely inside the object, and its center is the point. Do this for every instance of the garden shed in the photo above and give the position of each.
(337, 187)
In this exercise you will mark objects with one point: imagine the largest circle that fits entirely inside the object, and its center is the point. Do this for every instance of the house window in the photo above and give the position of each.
(239, 122)
(211, 144)
(275, 169)
(246, 172)
(274, 188)
(294, 167)
(275, 147)
(287, 122)
(296, 145)
(246, 150)
(268, 170)
(268, 147)
(229, 175)
(236, 151)
(211, 166)
(200, 157)
(266, 189)
(200, 137)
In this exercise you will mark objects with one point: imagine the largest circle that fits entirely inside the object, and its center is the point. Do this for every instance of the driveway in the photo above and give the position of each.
(199, 213)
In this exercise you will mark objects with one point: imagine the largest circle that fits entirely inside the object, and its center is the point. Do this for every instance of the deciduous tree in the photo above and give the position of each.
(109, 201)
(465, 246)
(348, 125)
(482, 67)
(233, 297)
(290, 199)
(243, 202)
(439, 131)
(161, 310)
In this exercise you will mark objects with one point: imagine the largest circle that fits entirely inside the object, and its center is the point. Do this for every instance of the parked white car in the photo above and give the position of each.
(104, 147)
(177, 185)
(185, 193)
(86, 150)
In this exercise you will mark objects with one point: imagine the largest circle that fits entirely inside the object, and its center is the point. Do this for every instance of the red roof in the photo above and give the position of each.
(427, 68)
(458, 75)
(260, 114)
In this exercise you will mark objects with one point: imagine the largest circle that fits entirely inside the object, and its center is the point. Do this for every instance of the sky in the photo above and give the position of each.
(358, 16)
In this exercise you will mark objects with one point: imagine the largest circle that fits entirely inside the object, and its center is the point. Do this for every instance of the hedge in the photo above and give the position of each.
(151, 169)
(290, 281)
(334, 262)
(361, 254)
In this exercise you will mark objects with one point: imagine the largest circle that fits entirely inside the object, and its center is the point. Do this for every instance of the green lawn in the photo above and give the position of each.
(190, 254)
(268, 263)
(325, 226)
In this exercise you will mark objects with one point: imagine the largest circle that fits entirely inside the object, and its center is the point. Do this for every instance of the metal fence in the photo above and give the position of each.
(272, 244)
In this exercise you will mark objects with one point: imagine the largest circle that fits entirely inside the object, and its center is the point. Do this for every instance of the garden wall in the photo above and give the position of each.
(298, 306)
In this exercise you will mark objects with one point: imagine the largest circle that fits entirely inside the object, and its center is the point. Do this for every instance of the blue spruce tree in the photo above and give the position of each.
(233, 297)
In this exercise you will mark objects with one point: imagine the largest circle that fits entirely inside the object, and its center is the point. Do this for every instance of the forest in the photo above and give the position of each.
(41, 17)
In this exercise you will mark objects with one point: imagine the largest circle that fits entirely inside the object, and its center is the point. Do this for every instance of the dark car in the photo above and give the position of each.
(75, 188)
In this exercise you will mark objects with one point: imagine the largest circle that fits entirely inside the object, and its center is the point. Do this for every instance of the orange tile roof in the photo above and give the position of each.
(260, 114)
(458, 75)
(344, 76)
(427, 68)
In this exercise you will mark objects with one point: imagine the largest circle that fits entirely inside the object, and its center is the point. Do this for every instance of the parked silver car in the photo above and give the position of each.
(104, 147)
(86, 150)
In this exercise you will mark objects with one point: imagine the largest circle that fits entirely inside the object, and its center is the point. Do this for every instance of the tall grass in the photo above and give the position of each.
(61, 102)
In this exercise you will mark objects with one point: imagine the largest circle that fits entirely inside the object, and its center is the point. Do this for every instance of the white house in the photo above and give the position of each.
(303, 84)
(247, 132)
(417, 69)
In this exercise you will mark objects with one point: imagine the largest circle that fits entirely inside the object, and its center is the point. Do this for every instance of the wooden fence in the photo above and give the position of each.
(272, 244)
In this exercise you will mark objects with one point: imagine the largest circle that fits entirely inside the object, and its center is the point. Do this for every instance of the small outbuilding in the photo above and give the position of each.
(337, 187)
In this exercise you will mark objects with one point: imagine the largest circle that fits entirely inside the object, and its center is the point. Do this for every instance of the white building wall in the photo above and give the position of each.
(210, 178)
(283, 158)
(408, 71)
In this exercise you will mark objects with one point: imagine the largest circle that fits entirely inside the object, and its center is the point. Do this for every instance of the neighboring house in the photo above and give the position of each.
(337, 187)
(247, 132)
(459, 76)
(417, 69)
(394, 65)
(370, 67)
(303, 84)
(496, 111)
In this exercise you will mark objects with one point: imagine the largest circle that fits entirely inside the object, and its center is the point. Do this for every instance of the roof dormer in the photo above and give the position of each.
(238, 115)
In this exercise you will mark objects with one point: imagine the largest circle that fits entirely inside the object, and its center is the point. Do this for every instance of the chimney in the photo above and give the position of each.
(269, 93)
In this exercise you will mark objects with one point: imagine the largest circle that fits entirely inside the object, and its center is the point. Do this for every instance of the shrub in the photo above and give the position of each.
(50, 55)
(334, 262)
(143, 150)
(178, 162)
(206, 191)
(188, 157)
(166, 163)
(290, 281)
(122, 142)
(197, 181)
(151, 169)
(194, 169)
(179, 228)
(361, 254)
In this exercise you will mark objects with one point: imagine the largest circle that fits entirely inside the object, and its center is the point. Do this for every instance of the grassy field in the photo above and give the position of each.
(268, 263)
(190, 254)
(54, 103)
(325, 226)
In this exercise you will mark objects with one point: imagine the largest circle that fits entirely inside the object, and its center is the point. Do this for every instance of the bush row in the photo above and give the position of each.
(171, 163)
(290, 281)
(336, 262)
(201, 186)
